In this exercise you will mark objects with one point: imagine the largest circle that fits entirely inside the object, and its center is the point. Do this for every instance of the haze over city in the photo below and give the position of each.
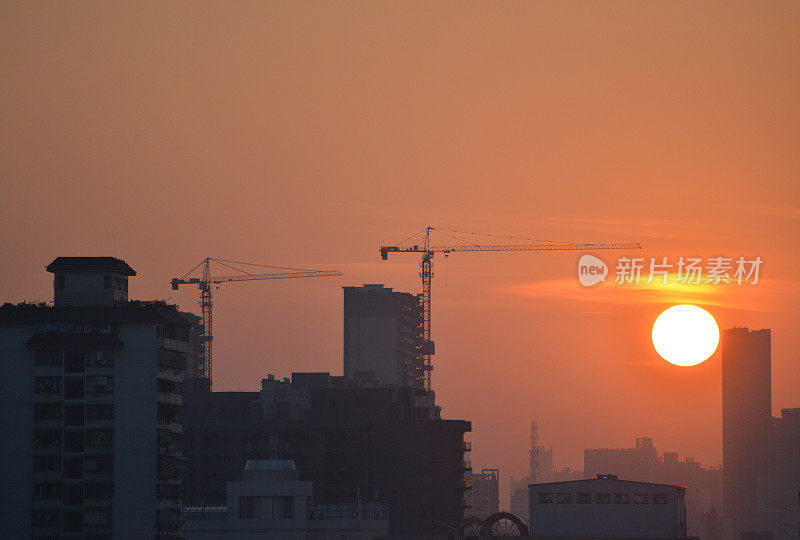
(306, 135)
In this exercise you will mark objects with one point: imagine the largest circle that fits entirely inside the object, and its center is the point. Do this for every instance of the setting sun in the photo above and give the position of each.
(685, 335)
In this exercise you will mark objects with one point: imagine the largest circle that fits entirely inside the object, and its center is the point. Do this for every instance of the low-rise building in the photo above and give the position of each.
(607, 507)
(270, 501)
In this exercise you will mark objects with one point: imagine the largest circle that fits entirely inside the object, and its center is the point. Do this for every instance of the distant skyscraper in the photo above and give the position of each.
(746, 419)
(627, 463)
(382, 336)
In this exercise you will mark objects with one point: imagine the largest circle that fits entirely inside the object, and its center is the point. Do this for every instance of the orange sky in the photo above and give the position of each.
(306, 134)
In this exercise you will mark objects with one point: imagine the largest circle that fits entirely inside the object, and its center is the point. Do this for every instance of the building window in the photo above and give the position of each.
(584, 498)
(284, 508)
(47, 357)
(47, 385)
(46, 518)
(622, 498)
(564, 498)
(99, 491)
(545, 498)
(101, 358)
(73, 468)
(47, 437)
(660, 498)
(75, 362)
(99, 437)
(247, 507)
(73, 415)
(107, 281)
(100, 383)
(640, 498)
(99, 465)
(47, 411)
(73, 495)
(73, 441)
(73, 388)
(73, 521)
(97, 517)
(46, 463)
(46, 490)
(60, 282)
(99, 412)
(602, 498)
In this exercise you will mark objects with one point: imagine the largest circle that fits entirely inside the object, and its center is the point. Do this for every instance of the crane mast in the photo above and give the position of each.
(427, 348)
(205, 284)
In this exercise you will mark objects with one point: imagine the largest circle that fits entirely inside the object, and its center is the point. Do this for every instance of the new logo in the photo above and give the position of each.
(591, 270)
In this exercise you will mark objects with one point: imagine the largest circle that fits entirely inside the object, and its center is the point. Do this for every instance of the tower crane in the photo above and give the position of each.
(427, 250)
(206, 281)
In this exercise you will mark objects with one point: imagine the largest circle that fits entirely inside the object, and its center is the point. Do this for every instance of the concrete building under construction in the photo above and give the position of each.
(382, 337)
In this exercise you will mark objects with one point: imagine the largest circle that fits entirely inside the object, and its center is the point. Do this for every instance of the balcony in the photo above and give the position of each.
(174, 345)
(467, 465)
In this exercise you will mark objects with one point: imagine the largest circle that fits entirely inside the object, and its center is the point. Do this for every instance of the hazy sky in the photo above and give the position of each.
(306, 134)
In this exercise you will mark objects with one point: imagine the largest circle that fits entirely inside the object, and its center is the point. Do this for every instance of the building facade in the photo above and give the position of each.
(636, 463)
(270, 501)
(377, 444)
(746, 420)
(484, 493)
(94, 383)
(607, 507)
(382, 336)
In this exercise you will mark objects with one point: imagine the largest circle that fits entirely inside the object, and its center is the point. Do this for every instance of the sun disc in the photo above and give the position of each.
(685, 335)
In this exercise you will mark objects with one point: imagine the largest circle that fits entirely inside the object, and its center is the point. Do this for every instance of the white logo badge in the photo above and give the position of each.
(591, 270)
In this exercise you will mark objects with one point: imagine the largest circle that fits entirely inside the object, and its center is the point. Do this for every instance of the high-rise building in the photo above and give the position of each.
(776, 493)
(746, 420)
(484, 494)
(91, 400)
(382, 337)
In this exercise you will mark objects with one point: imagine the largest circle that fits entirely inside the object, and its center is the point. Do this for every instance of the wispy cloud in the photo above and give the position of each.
(761, 297)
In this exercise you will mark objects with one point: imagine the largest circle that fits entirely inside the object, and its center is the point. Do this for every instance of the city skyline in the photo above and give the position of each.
(309, 135)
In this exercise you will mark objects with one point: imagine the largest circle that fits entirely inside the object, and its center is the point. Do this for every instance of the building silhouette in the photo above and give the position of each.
(643, 464)
(636, 463)
(270, 501)
(484, 493)
(777, 492)
(91, 395)
(372, 444)
(746, 421)
(382, 336)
